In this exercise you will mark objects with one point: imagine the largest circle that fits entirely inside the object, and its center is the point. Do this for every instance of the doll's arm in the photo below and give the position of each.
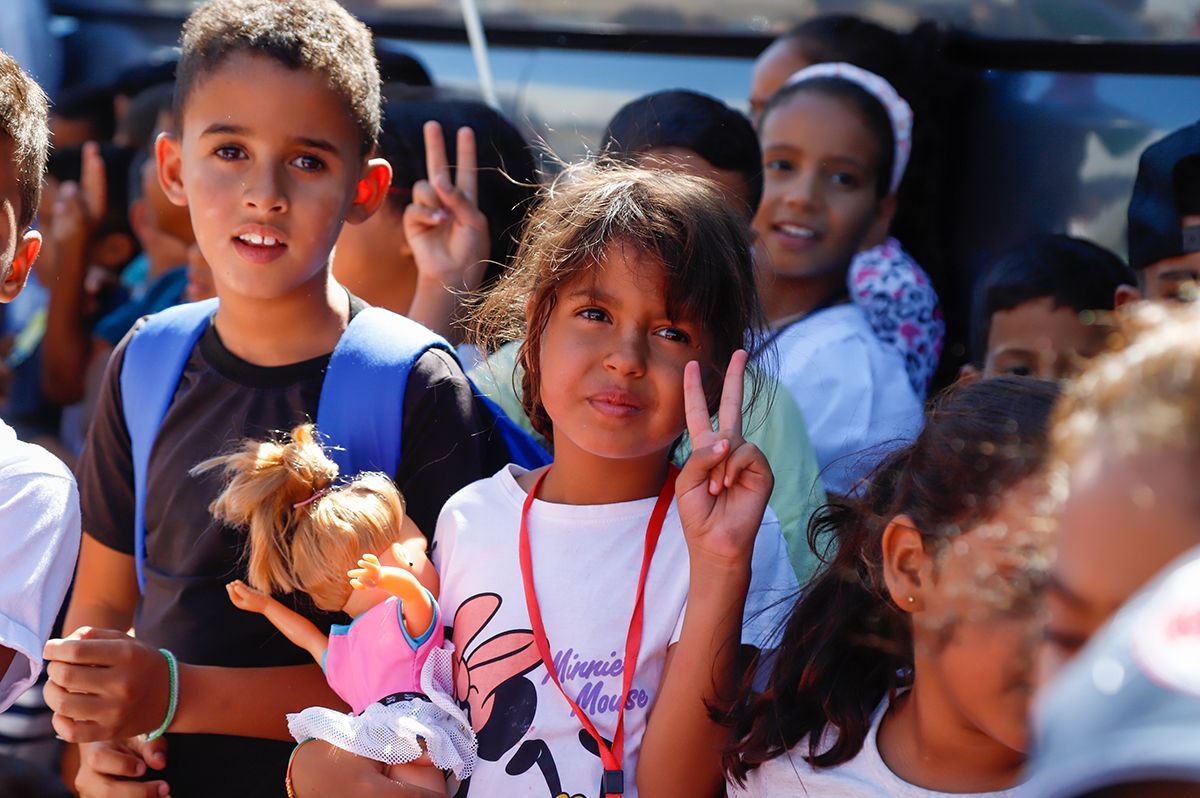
(295, 627)
(415, 600)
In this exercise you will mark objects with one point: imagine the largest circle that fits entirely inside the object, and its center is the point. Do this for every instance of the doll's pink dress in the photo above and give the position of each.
(400, 689)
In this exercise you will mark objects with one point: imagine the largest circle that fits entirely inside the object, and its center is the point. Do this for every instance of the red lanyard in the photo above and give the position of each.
(613, 781)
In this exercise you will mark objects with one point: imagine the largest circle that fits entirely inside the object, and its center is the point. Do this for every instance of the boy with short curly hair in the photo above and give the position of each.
(277, 108)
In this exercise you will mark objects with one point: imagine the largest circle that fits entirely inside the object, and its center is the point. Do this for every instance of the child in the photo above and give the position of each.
(277, 108)
(1045, 308)
(1126, 438)
(1164, 220)
(901, 670)
(694, 134)
(834, 145)
(777, 427)
(896, 293)
(305, 533)
(623, 278)
(376, 259)
(39, 507)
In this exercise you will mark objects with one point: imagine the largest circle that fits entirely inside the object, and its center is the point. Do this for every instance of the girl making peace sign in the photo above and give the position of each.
(597, 605)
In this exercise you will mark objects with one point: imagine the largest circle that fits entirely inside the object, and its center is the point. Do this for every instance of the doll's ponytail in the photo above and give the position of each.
(304, 528)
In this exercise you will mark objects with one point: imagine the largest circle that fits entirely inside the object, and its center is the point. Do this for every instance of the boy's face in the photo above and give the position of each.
(269, 163)
(17, 252)
(1174, 279)
(1036, 339)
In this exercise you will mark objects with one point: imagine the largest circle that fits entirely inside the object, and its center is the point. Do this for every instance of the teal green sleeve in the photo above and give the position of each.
(497, 378)
(774, 424)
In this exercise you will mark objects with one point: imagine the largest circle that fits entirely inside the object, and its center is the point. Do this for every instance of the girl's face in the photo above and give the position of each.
(1123, 520)
(611, 361)
(820, 169)
(975, 629)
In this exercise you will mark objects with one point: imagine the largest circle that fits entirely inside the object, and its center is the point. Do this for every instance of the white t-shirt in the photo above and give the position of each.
(39, 543)
(864, 776)
(586, 561)
(853, 389)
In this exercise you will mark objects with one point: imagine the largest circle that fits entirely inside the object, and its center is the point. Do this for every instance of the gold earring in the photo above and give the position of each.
(912, 600)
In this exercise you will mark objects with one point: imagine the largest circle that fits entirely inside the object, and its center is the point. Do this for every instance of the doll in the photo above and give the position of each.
(306, 534)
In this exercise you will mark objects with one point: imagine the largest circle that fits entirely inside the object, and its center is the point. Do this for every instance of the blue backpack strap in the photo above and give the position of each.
(361, 409)
(154, 360)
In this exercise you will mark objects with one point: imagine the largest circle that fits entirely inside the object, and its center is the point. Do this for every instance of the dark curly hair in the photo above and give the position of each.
(315, 35)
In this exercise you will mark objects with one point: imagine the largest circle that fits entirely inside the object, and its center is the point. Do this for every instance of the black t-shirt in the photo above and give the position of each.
(448, 441)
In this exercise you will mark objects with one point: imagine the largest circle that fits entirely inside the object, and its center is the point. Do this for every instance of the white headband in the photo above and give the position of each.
(898, 111)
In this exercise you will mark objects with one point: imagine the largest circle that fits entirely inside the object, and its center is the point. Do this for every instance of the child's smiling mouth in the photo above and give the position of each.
(259, 244)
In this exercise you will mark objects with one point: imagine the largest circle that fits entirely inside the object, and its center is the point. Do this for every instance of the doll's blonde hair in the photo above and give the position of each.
(304, 530)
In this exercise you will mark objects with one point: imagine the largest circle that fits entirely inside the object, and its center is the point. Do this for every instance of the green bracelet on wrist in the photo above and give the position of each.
(173, 701)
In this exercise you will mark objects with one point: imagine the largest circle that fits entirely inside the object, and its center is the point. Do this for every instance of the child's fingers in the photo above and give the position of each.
(93, 181)
(357, 584)
(118, 762)
(91, 650)
(371, 558)
(729, 412)
(700, 465)
(466, 176)
(695, 405)
(436, 164)
(423, 216)
(424, 193)
(746, 457)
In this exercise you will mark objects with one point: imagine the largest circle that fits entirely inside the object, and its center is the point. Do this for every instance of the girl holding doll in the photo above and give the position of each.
(598, 606)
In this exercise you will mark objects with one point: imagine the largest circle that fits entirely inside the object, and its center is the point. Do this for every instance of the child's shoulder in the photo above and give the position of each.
(21, 460)
(495, 495)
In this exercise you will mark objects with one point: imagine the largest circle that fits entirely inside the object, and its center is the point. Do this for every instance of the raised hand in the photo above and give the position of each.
(723, 488)
(247, 598)
(369, 573)
(446, 230)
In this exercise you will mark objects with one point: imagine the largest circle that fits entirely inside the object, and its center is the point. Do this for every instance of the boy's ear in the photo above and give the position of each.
(1126, 294)
(371, 191)
(170, 168)
(906, 564)
(27, 251)
(877, 233)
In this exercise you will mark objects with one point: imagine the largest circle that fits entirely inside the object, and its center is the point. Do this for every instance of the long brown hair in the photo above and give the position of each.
(303, 530)
(846, 644)
(683, 222)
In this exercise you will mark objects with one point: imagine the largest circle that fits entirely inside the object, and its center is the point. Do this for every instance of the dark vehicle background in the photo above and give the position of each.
(1046, 104)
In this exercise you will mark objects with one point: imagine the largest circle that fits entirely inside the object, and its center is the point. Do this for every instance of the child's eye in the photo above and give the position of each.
(845, 180)
(229, 152)
(1019, 370)
(593, 314)
(778, 165)
(674, 334)
(308, 163)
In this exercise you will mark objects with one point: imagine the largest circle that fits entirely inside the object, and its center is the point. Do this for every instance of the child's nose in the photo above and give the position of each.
(264, 191)
(804, 189)
(628, 355)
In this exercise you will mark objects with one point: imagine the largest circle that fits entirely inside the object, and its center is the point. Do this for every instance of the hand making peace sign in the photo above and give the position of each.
(443, 224)
(723, 488)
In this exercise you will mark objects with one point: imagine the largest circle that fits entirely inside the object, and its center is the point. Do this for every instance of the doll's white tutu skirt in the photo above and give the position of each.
(402, 731)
